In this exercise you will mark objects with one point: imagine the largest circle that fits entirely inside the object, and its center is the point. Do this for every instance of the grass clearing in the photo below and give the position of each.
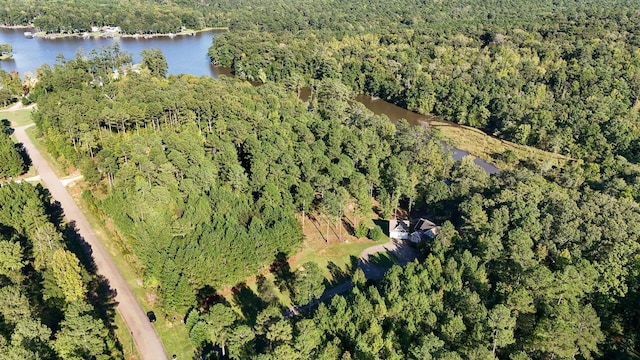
(489, 148)
(341, 253)
(60, 170)
(17, 117)
(129, 350)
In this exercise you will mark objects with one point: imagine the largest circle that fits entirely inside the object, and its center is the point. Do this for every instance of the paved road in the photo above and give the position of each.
(403, 252)
(401, 249)
(144, 334)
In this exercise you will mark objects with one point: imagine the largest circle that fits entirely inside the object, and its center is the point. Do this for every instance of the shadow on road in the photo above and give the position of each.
(100, 293)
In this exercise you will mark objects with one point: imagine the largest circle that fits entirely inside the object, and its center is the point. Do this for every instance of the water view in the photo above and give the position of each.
(184, 54)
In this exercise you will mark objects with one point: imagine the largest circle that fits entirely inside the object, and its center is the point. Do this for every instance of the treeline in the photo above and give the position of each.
(559, 76)
(10, 87)
(133, 17)
(52, 306)
(525, 270)
(205, 176)
(12, 162)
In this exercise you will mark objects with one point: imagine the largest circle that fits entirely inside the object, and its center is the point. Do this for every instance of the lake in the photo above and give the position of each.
(184, 54)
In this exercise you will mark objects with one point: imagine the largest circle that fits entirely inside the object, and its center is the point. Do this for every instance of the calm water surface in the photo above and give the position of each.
(185, 54)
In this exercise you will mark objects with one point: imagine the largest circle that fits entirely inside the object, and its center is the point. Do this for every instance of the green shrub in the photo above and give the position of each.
(376, 233)
(361, 231)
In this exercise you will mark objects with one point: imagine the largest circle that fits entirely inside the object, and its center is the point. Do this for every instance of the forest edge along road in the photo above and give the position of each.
(144, 334)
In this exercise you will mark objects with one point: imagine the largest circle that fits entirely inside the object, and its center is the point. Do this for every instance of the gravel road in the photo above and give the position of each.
(144, 334)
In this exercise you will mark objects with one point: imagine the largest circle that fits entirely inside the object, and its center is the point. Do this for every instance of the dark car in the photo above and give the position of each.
(151, 316)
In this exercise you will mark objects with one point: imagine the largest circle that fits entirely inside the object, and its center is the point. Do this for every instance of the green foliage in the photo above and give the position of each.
(43, 286)
(361, 231)
(308, 283)
(577, 84)
(14, 305)
(66, 272)
(82, 336)
(376, 233)
(90, 171)
(6, 49)
(532, 279)
(11, 162)
(132, 16)
(155, 61)
(11, 262)
(10, 87)
(206, 177)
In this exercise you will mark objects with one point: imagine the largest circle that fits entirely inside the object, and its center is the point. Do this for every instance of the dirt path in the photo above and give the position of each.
(18, 106)
(144, 334)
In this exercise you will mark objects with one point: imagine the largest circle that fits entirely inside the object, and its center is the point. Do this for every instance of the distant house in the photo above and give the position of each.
(424, 229)
(399, 229)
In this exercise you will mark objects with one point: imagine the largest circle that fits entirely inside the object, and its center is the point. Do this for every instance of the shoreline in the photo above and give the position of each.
(95, 35)
(5, 26)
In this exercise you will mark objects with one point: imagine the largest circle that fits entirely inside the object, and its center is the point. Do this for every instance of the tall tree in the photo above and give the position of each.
(154, 60)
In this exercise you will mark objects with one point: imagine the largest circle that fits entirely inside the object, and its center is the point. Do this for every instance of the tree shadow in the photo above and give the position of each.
(281, 269)
(26, 159)
(383, 259)
(5, 125)
(209, 351)
(384, 225)
(207, 297)
(100, 293)
(249, 302)
(266, 290)
(78, 245)
(316, 223)
(378, 211)
(346, 223)
(338, 274)
(53, 208)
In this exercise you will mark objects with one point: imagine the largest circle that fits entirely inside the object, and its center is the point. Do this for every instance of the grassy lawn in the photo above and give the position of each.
(481, 145)
(343, 253)
(17, 117)
(129, 350)
(58, 168)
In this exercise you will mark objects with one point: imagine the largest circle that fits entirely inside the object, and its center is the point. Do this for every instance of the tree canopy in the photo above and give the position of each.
(51, 305)
(205, 176)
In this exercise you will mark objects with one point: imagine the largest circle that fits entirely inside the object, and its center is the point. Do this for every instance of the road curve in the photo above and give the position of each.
(402, 251)
(144, 334)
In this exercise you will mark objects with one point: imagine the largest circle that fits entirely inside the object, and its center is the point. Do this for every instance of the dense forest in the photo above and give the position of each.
(561, 77)
(142, 17)
(205, 178)
(212, 173)
(53, 305)
(529, 271)
(12, 162)
(10, 87)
